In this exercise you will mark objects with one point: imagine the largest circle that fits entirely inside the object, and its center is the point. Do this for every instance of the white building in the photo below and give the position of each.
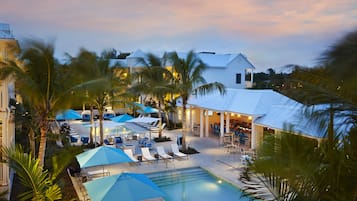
(232, 70)
(252, 113)
(8, 48)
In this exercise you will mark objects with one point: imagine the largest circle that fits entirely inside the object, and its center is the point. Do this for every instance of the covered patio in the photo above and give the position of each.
(233, 115)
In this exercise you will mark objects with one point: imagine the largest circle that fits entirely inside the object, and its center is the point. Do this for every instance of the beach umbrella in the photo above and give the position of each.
(147, 110)
(124, 186)
(68, 115)
(147, 120)
(122, 118)
(101, 156)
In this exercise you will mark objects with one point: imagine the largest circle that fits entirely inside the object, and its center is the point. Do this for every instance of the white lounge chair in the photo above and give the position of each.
(130, 154)
(177, 152)
(146, 154)
(162, 153)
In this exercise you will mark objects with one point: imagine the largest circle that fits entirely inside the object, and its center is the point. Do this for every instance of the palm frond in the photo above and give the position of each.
(30, 173)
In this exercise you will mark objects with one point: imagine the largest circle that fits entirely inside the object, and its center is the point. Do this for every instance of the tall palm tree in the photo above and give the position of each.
(154, 80)
(98, 82)
(40, 85)
(328, 171)
(189, 81)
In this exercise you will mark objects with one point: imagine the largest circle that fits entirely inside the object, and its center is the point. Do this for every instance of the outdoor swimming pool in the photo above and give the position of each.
(195, 184)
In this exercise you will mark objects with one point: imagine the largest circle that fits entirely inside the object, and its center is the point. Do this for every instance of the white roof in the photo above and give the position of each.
(285, 117)
(137, 54)
(5, 32)
(282, 117)
(243, 101)
(210, 59)
(115, 62)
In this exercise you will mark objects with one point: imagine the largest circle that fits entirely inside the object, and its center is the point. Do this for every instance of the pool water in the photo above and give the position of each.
(195, 184)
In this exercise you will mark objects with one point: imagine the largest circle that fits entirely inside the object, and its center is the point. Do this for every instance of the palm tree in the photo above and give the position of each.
(189, 81)
(294, 167)
(327, 171)
(98, 82)
(39, 184)
(40, 84)
(154, 80)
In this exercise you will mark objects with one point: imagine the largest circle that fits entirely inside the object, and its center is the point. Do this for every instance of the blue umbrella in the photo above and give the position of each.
(147, 110)
(125, 186)
(68, 115)
(102, 156)
(122, 118)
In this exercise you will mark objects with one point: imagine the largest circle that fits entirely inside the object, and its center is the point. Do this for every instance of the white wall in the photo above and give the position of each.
(227, 75)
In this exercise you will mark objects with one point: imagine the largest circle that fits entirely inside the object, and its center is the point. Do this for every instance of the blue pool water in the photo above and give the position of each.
(195, 184)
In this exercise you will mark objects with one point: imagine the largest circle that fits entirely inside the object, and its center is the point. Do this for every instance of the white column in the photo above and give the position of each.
(191, 123)
(253, 135)
(252, 76)
(207, 124)
(201, 122)
(222, 124)
(227, 122)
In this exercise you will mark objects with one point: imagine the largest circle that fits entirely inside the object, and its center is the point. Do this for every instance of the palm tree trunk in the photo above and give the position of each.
(91, 123)
(42, 147)
(160, 124)
(101, 131)
(31, 136)
(184, 131)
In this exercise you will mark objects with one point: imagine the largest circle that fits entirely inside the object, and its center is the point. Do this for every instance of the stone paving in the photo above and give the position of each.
(212, 157)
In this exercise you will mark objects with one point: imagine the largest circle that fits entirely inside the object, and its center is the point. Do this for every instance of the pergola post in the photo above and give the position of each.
(206, 124)
(201, 122)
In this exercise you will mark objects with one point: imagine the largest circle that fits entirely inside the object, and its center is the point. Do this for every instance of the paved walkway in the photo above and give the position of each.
(212, 157)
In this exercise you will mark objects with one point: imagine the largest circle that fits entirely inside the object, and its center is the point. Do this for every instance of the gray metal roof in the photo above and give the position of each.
(5, 32)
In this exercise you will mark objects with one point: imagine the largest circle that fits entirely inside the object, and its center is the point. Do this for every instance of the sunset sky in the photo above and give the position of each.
(270, 33)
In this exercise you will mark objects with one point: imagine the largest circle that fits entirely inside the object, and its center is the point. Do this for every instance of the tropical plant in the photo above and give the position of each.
(294, 167)
(327, 171)
(40, 84)
(98, 83)
(189, 80)
(39, 184)
(154, 80)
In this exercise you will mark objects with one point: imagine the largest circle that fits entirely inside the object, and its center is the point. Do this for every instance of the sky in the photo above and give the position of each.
(271, 34)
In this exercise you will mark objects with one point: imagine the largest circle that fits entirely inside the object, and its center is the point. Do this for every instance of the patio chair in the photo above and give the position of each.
(146, 154)
(75, 140)
(162, 153)
(177, 152)
(85, 140)
(118, 140)
(130, 154)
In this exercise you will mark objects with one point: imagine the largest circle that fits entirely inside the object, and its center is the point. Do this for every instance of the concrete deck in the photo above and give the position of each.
(212, 157)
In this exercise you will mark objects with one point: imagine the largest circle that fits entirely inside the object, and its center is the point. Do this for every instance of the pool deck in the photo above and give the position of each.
(213, 157)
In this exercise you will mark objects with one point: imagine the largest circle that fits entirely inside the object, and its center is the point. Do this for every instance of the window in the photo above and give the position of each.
(238, 78)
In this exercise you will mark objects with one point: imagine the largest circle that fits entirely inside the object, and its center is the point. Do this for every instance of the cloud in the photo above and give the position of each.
(227, 25)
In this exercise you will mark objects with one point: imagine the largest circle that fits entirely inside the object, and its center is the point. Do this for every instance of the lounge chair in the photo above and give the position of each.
(130, 154)
(75, 140)
(177, 152)
(162, 153)
(245, 159)
(85, 140)
(146, 154)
